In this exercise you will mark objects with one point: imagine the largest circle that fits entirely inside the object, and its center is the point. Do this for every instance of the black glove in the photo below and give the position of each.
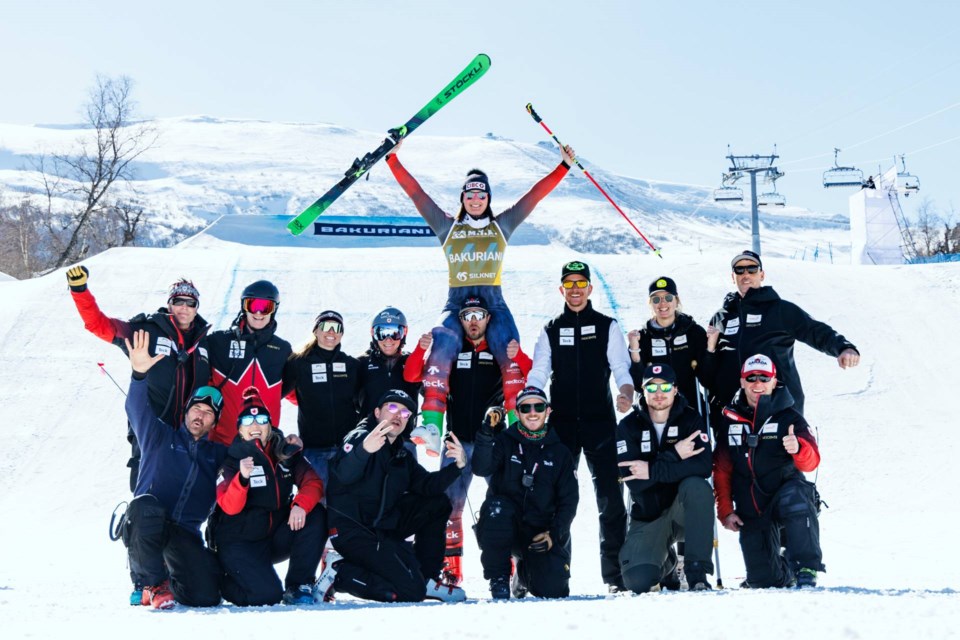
(494, 419)
(77, 278)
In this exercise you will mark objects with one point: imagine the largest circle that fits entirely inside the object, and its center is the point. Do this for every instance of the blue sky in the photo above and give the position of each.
(652, 90)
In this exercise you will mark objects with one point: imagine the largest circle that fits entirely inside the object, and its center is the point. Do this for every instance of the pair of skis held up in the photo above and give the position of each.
(473, 72)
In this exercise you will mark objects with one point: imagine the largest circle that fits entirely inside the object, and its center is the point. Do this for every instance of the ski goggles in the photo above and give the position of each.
(260, 418)
(473, 315)
(475, 195)
(659, 299)
(535, 407)
(394, 407)
(752, 268)
(329, 325)
(259, 306)
(208, 395)
(179, 302)
(653, 387)
(758, 377)
(388, 332)
(579, 284)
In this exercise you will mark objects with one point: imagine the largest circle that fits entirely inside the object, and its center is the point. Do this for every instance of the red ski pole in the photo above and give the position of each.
(543, 124)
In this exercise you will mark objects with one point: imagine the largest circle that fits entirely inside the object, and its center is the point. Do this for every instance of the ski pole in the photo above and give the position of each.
(703, 404)
(104, 371)
(543, 124)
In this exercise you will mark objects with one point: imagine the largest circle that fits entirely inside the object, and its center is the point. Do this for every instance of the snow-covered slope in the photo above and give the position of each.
(204, 167)
(886, 430)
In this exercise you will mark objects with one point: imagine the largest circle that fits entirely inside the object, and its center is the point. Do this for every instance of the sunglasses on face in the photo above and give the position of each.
(653, 387)
(473, 315)
(754, 377)
(579, 284)
(658, 299)
(478, 195)
(405, 413)
(179, 302)
(746, 269)
(329, 325)
(260, 418)
(388, 332)
(536, 407)
(259, 306)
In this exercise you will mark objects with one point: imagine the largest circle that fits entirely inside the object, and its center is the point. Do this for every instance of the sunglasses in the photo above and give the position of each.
(753, 268)
(260, 418)
(179, 302)
(473, 315)
(388, 332)
(259, 306)
(393, 407)
(753, 377)
(658, 299)
(208, 393)
(475, 195)
(536, 407)
(653, 387)
(329, 325)
(579, 284)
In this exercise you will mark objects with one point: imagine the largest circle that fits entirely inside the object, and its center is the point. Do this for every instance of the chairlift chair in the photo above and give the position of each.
(907, 183)
(771, 199)
(728, 194)
(838, 176)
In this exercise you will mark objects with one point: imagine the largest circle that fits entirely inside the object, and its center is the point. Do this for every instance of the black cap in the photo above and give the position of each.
(575, 268)
(531, 392)
(663, 284)
(473, 302)
(476, 180)
(400, 396)
(663, 371)
(327, 315)
(746, 255)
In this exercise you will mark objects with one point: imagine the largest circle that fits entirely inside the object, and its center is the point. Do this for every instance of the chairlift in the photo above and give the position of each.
(771, 199)
(842, 176)
(727, 192)
(906, 182)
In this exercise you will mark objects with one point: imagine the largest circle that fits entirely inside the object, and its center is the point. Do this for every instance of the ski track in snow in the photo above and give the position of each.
(887, 472)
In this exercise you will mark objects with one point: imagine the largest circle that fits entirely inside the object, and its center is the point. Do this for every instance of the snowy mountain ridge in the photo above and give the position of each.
(203, 167)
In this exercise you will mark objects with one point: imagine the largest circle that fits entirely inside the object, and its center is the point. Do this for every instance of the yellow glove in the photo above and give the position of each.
(77, 278)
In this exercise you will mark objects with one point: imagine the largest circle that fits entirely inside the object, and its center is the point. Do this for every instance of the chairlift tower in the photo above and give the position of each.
(753, 165)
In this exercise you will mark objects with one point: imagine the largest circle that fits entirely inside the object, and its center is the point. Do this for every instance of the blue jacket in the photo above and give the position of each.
(179, 471)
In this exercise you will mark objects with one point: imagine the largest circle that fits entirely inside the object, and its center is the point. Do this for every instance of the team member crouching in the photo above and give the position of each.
(259, 522)
(665, 450)
(378, 496)
(176, 490)
(763, 448)
(531, 502)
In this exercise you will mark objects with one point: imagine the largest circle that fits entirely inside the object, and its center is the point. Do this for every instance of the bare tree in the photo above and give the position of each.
(20, 243)
(87, 174)
(927, 227)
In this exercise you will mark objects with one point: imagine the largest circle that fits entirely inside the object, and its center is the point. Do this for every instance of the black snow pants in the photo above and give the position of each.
(792, 507)
(502, 534)
(381, 565)
(158, 548)
(249, 577)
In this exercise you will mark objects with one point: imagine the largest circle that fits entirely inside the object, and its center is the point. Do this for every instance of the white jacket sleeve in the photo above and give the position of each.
(542, 363)
(617, 356)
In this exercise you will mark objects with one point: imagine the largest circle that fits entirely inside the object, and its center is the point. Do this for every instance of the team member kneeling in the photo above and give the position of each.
(531, 501)
(763, 448)
(378, 496)
(665, 450)
(258, 520)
